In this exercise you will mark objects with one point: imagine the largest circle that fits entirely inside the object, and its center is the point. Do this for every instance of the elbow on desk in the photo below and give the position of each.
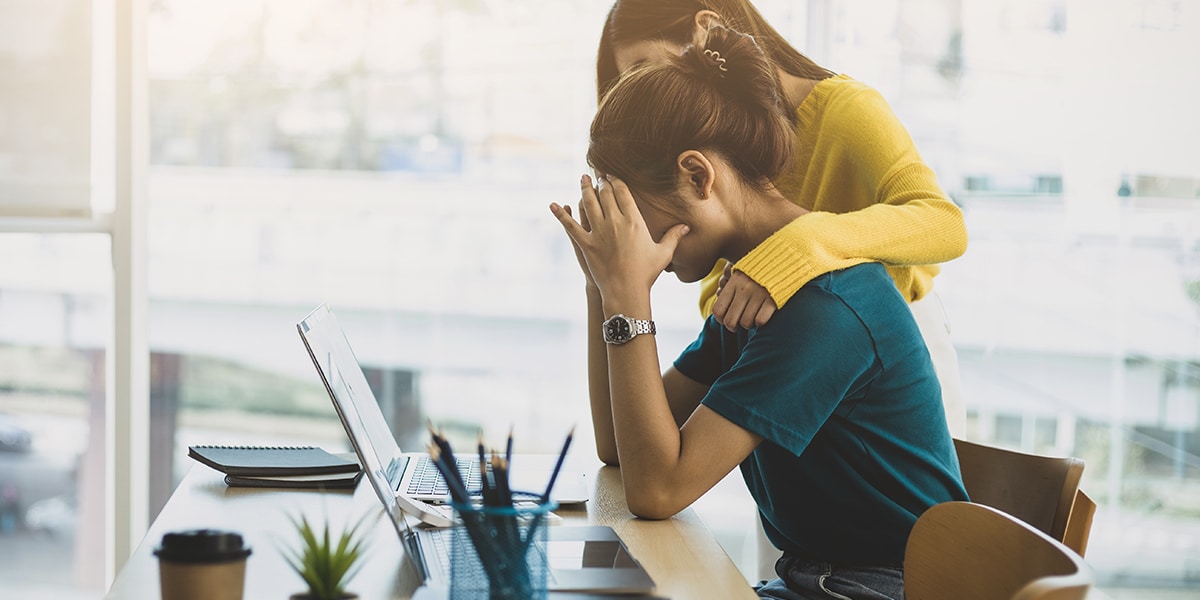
(608, 456)
(647, 504)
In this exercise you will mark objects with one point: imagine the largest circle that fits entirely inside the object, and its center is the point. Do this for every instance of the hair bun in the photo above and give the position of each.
(720, 95)
(715, 56)
(736, 66)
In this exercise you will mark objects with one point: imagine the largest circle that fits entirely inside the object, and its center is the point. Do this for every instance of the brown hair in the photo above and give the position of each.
(722, 96)
(631, 21)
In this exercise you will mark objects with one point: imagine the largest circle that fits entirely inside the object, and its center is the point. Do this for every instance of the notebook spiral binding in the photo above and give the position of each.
(220, 447)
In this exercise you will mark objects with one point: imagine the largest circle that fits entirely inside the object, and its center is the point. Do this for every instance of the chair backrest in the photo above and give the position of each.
(1039, 490)
(961, 550)
(1079, 523)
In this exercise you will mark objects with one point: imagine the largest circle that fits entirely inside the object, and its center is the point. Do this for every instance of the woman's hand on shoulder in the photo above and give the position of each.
(742, 302)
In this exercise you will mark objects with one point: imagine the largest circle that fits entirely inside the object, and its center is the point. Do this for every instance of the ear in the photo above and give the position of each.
(696, 174)
(701, 22)
(706, 18)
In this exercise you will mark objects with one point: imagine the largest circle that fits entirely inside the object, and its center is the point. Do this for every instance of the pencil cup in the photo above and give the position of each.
(202, 564)
(499, 553)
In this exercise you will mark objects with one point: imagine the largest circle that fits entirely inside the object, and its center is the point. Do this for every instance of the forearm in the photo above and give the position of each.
(646, 434)
(598, 391)
(920, 232)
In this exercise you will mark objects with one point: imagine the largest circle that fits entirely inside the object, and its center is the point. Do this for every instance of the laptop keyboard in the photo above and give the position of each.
(440, 561)
(428, 481)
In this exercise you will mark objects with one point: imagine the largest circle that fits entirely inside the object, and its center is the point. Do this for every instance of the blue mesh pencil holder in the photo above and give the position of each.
(499, 553)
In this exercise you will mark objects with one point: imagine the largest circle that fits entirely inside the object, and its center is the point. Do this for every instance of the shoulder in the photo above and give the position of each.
(841, 97)
(831, 301)
(847, 302)
(852, 117)
(859, 280)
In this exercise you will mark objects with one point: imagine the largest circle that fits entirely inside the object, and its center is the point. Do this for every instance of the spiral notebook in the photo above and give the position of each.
(302, 463)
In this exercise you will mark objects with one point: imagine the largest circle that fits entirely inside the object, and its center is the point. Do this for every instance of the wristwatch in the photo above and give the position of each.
(620, 329)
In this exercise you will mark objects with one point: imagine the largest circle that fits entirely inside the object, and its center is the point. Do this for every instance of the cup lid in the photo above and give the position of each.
(202, 546)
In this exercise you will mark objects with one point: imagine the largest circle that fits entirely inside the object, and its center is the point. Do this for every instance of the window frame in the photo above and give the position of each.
(127, 374)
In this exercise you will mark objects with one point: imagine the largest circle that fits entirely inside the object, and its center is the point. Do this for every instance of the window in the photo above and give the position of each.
(395, 160)
(55, 319)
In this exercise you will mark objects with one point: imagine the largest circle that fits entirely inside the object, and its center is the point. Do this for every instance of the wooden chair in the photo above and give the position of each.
(1039, 490)
(1079, 523)
(960, 550)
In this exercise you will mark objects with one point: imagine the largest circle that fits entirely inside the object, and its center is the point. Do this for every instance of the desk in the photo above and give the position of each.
(680, 553)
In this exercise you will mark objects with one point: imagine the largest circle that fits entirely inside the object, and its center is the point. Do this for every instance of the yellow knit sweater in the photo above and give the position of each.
(872, 197)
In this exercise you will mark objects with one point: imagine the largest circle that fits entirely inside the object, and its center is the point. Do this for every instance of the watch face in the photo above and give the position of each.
(617, 330)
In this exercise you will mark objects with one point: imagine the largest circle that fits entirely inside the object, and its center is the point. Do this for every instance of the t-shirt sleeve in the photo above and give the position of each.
(812, 360)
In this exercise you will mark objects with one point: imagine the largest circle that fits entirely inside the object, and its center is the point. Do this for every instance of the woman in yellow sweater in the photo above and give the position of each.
(871, 196)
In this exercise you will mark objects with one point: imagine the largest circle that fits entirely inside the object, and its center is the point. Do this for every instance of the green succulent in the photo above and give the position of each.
(326, 565)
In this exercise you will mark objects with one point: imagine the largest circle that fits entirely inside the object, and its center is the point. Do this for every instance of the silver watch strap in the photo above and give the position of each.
(641, 326)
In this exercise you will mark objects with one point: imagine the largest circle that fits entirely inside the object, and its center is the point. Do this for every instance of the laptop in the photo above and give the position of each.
(408, 479)
(589, 558)
(581, 559)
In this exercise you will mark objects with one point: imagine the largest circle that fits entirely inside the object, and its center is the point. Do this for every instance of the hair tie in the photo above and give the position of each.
(716, 57)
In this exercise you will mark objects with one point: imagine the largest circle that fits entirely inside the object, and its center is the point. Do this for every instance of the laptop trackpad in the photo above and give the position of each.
(570, 487)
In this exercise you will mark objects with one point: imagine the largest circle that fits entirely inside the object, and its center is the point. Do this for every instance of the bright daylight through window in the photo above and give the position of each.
(394, 159)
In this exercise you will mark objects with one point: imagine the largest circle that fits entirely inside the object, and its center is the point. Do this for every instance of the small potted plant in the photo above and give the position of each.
(325, 563)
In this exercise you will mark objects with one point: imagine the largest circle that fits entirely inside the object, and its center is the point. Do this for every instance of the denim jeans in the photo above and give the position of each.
(804, 579)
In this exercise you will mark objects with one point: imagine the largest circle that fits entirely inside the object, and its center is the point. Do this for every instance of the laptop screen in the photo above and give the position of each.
(353, 399)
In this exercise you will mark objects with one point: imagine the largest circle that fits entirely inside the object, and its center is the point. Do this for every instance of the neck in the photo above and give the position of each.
(795, 89)
(764, 214)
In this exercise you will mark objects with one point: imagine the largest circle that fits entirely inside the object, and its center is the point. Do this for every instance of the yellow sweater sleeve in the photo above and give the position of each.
(873, 200)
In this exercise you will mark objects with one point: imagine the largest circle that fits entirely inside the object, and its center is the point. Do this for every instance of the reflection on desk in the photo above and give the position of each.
(680, 553)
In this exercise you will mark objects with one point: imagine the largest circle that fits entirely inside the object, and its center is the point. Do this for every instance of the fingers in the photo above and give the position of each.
(721, 306)
(749, 316)
(589, 204)
(742, 302)
(622, 197)
(583, 218)
(573, 229)
(724, 276)
(671, 238)
(765, 312)
(737, 310)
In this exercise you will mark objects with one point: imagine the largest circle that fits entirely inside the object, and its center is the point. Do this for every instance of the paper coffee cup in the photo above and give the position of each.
(202, 564)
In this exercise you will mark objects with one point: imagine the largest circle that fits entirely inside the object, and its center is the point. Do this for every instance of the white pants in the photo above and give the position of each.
(931, 318)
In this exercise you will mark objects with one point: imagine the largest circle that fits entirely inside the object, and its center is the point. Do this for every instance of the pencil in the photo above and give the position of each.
(439, 439)
(508, 446)
(500, 469)
(453, 478)
(558, 466)
(486, 490)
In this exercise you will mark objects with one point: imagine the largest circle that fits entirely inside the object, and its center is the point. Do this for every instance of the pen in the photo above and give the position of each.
(439, 439)
(486, 488)
(508, 446)
(453, 478)
(558, 466)
(500, 469)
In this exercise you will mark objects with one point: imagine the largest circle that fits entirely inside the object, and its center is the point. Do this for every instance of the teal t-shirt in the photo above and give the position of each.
(840, 386)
